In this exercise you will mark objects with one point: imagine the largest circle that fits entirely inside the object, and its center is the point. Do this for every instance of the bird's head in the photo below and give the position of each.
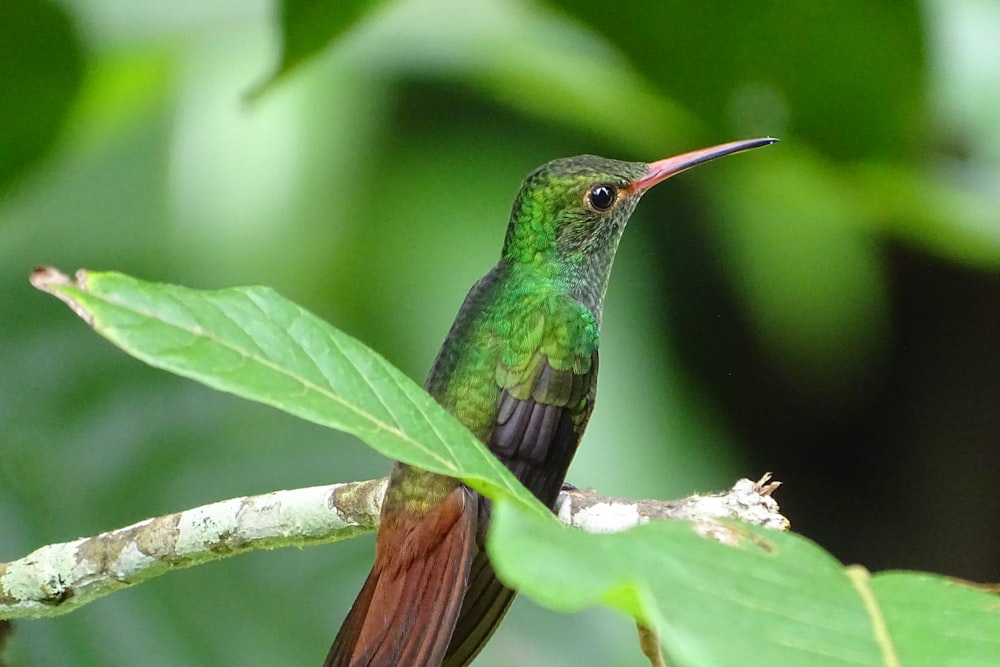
(575, 209)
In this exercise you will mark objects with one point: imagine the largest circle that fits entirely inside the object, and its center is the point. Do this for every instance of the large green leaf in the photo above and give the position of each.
(252, 342)
(774, 599)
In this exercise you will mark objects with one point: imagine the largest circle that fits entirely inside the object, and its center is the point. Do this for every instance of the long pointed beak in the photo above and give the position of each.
(664, 169)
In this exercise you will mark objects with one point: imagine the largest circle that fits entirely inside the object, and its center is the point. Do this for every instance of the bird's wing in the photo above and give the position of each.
(542, 410)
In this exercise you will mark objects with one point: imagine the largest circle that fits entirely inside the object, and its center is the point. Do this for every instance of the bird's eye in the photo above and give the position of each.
(602, 197)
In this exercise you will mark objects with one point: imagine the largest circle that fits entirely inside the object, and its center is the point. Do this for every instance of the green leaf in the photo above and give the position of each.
(252, 342)
(307, 27)
(938, 621)
(775, 599)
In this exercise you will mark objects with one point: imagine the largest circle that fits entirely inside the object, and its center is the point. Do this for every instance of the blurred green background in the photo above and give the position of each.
(827, 309)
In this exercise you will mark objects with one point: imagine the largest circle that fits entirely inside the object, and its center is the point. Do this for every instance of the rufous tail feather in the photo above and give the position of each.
(419, 578)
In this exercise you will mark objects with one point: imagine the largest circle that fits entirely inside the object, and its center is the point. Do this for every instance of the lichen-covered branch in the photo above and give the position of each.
(748, 501)
(58, 578)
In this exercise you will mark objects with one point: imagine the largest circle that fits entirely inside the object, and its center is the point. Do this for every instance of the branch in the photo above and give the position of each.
(58, 578)
(749, 502)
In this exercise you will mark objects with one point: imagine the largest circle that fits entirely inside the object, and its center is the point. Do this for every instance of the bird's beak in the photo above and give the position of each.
(664, 169)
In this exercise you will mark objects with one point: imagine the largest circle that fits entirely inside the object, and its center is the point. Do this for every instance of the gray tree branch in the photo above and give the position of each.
(58, 578)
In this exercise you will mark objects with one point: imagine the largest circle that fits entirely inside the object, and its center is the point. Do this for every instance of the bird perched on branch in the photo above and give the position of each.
(519, 370)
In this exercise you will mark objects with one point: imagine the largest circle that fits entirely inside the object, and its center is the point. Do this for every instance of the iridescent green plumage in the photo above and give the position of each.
(519, 370)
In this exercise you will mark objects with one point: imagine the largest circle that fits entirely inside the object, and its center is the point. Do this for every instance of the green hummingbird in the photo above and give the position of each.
(519, 369)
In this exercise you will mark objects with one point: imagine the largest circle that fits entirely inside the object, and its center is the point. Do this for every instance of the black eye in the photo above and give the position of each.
(602, 197)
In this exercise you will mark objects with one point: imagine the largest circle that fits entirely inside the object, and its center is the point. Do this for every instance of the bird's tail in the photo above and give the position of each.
(486, 603)
(405, 613)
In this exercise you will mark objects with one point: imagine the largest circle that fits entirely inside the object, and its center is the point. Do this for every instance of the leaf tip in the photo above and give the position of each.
(44, 276)
(49, 279)
(256, 91)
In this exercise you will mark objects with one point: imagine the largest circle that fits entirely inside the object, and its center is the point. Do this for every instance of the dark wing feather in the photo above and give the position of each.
(536, 437)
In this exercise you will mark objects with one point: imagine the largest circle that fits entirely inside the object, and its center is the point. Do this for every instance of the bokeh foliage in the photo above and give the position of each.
(371, 183)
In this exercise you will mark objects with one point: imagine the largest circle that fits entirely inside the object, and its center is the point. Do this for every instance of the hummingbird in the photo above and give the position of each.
(519, 369)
